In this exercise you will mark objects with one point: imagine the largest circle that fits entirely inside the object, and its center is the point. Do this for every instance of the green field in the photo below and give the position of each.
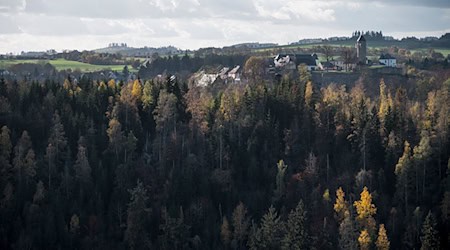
(62, 64)
(444, 51)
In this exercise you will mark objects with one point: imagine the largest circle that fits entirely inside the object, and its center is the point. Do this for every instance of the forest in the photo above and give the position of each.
(160, 163)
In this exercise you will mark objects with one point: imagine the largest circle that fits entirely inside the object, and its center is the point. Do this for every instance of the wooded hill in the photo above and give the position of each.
(158, 164)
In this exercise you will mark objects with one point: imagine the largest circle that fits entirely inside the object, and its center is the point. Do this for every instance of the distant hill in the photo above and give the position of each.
(139, 52)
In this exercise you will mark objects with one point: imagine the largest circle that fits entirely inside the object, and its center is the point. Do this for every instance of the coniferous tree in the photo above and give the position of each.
(269, 234)
(225, 232)
(137, 212)
(56, 148)
(280, 185)
(241, 224)
(403, 172)
(430, 235)
(5, 156)
(24, 162)
(296, 236)
(348, 234)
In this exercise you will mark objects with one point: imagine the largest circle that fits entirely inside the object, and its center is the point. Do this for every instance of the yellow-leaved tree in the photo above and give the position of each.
(365, 210)
(340, 207)
(382, 240)
(364, 206)
(136, 91)
(364, 240)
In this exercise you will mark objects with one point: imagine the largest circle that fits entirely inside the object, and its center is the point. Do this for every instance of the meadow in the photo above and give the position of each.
(63, 64)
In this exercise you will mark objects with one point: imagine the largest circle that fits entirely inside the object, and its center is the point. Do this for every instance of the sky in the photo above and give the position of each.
(38, 25)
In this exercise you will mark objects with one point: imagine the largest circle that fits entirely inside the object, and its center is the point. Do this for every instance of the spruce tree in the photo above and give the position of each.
(430, 235)
(296, 236)
(137, 212)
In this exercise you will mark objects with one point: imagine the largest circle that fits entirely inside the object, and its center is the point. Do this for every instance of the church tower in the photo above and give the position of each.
(361, 50)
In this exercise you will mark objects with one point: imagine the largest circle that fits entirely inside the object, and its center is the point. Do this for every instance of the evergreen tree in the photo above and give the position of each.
(347, 233)
(270, 232)
(240, 225)
(82, 167)
(137, 212)
(5, 153)
(175, 231)
(225, 232)
(403, 172)
(24, 162)
(296, 236)
(422, 154)
(280, 186)
(56, 148)
(430, 235)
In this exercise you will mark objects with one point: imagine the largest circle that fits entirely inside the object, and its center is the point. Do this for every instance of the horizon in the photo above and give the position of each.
(82, 25)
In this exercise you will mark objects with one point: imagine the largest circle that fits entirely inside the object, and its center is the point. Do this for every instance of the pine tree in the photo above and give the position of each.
(430, 235)
(39, 195)
(422, 154)
(240, 225)
(175, 232)
(24, 162)
(225, 233)
(82, 167)
(56, 147)
(296, 236)
(279, 191)
(347, 233)
(137, 212)
(5, 148)
(382, 242)
(271, 227)
(403, 172)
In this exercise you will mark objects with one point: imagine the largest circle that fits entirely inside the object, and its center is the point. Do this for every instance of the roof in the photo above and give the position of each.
(386, 56)
(306, 59)
(361, 39)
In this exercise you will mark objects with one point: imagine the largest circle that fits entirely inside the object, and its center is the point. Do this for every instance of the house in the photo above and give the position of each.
(291, 62)
(388, 60)
(235, 74)
(328, 66)
(311, 61)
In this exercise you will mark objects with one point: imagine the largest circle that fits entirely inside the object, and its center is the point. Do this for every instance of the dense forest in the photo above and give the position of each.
(163, 164)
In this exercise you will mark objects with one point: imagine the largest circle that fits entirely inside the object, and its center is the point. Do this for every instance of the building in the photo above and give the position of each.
(388, 60)
(291, 62)
(361, 50)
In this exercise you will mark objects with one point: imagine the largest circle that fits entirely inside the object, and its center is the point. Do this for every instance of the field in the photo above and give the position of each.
(62, 64)
(444, 51)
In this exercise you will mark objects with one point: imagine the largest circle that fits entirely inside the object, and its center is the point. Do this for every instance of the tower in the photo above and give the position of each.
(361, 50)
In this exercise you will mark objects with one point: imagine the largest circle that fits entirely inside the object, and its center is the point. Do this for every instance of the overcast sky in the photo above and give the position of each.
(33, 25)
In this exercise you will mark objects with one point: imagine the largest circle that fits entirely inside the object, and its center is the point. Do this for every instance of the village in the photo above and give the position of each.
(352, 60)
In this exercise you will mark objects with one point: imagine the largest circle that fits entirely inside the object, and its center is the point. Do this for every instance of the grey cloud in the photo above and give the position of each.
(50, 25)
(12, 6)
(421, 3)
(8, 26)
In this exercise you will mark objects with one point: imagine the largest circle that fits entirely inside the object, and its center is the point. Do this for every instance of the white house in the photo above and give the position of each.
(388, 60)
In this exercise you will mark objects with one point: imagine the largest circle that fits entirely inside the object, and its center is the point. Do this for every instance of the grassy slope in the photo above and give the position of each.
(62, 64)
